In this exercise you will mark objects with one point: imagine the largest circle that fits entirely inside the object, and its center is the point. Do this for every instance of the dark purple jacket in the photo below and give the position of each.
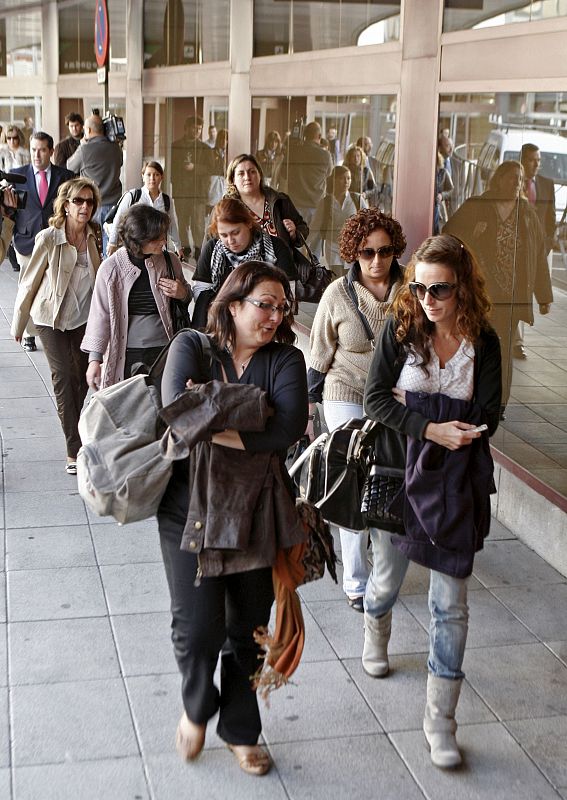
(447, 499)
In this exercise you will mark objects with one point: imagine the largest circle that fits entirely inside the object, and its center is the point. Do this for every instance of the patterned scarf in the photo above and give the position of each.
(261, 249)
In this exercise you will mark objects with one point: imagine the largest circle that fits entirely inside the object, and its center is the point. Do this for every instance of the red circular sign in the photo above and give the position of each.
(101, 32)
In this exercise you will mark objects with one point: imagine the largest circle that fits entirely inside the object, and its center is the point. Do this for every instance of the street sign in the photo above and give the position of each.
(101, 75)
(101, 33)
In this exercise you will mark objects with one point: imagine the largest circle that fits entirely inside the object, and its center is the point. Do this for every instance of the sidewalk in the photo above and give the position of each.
(89, 689)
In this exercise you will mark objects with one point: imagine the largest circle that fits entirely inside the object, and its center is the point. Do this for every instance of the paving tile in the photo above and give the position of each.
(495, 767)
(30, 388)
(144, 643)
(24, 427)
(79, 721)
(512, 563)
(3, 654)
(27, 407)
(545, 741)
(2, 597)
(156, 707)
(344, 629)
(111, 779)
(45, 476)
(399, 700)
(135, 588)
(36, 450)
(504, 628)
(4, 730)
(37, 548)
(5, 783)
(127, 544)
(560, 650)
(344, 768)
(322, 701)
(499, 531)
(518, 681)
(215, 775)
(55, 594)
(62, 650)
(40, 509)
(541, 608)
(317, 647)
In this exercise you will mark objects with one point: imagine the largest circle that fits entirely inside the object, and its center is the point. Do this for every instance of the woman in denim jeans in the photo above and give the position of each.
(435, 375)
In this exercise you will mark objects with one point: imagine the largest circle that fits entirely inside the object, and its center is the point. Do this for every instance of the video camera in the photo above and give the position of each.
(9, 179)
(114, 128)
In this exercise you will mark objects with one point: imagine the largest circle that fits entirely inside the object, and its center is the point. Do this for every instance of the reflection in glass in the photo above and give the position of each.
(293, 26)
(185, 32)
(76, 37)
(20, 44)
(463, 14)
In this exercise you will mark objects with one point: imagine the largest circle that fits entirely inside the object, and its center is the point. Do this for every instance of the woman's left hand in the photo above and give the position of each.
(175, 289)
(400, 395)
(289, 225)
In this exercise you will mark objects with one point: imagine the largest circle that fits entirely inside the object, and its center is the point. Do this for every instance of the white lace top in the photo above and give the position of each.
(455, 380)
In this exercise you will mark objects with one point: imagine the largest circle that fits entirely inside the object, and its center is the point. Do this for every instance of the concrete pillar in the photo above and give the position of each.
(239, 99)
(134, 100)
(416, 125)
(50, 66)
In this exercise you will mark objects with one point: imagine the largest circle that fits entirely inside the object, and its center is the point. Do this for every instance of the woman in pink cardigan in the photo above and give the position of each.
(130, 317)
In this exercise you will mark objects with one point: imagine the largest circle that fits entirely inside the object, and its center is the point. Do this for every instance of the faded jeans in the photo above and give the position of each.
(448, 625)
(354, 546)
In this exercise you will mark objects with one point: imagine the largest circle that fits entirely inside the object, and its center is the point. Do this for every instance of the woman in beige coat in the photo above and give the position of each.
(55, 293)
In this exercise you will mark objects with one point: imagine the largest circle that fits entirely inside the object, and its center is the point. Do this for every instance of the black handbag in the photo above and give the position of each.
(313, 278)
(180, 317)
(383, 489)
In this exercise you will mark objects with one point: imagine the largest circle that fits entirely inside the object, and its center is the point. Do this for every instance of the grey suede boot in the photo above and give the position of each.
(376, 638)
(439, 724)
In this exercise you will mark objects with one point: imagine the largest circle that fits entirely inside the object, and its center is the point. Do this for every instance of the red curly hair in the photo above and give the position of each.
(413, 329)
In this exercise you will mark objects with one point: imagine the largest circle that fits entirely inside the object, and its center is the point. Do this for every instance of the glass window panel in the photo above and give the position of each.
(186, 32)
(76, 37)
(20, 44)
(464, 14)
(287, 26)
(521, 244)
(290, 160)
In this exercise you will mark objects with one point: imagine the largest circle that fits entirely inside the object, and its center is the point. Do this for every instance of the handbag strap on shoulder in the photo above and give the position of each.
(351, 291)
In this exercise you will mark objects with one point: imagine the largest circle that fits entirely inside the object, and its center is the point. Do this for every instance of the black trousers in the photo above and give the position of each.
(68, 365)
(137, 355)
(219, 614)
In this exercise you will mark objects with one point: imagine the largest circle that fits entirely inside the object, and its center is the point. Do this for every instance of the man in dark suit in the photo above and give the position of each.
(43, 181)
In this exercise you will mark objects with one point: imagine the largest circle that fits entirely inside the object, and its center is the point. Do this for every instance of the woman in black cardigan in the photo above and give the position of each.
(435, 377)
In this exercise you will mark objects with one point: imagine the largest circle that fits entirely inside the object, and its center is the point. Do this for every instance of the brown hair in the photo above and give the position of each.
(153, 165)
(66, 192)
(240, 284)
(229, 209)
(142, 224)
(413, 329)
(358, 228)
(231, 189)
(502, 170)
(349, 158)
(15, 131)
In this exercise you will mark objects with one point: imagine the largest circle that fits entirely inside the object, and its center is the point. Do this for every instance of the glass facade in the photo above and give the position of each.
(509, 206)
(20, 44)
(290, 26)
(463, 14)
(185, 32)
(76, 37)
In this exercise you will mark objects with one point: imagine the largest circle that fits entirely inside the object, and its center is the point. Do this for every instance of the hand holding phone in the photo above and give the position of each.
(478, 429)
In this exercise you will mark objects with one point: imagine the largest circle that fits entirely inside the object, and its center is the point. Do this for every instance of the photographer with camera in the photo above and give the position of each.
(42, 180)
(99, 159)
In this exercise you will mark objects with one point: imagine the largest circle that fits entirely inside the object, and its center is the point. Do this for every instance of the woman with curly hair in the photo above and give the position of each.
(435, 379)
(341, 351)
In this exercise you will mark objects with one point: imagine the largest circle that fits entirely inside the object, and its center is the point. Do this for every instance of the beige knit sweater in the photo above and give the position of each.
(339, 346)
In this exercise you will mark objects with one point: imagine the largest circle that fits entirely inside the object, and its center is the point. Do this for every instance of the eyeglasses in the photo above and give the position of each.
(369, 253)
(80, 201)
(268, 307)
(440, 291)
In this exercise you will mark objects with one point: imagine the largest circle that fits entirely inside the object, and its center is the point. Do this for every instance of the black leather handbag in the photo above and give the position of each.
(180, 317)
(384, 488)
(313, 277)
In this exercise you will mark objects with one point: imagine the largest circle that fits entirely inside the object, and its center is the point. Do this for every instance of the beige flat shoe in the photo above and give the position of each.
(251, 758)
(190, 738)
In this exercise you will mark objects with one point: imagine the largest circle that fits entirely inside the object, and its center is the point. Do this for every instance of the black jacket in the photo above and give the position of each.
(281, 207)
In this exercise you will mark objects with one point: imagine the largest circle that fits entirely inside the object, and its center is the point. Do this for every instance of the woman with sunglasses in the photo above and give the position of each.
(435, 379)
(341, 350)
(13, 153)
(130, 318)
(55, 293)
(251, 339)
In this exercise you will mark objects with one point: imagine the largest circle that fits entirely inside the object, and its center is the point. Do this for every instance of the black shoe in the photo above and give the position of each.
(29, 344)
(356, 603)
(16, 269)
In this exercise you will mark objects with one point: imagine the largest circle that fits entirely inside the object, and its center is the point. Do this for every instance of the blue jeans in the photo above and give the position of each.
(354, 546)
(449, 623)
(99, 217)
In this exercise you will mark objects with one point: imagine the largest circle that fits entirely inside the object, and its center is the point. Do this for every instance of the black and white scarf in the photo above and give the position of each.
(261, 249)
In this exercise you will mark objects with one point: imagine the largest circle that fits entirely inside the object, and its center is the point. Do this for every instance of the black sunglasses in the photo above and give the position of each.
(369, 253)
(80, 201)
(440, 291)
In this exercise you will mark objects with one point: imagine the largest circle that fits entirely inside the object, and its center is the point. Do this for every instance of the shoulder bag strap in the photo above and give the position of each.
(350, 290)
